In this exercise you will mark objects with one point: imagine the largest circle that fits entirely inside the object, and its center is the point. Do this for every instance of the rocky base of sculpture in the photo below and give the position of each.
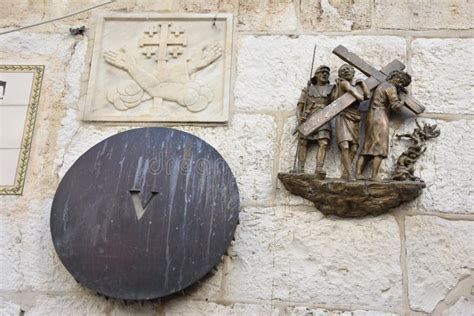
(351, 198)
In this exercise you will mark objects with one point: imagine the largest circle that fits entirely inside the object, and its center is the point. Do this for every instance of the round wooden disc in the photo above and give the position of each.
(145, 213)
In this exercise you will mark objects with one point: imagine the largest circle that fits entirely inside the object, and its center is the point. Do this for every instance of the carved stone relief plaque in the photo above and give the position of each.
(161, 68)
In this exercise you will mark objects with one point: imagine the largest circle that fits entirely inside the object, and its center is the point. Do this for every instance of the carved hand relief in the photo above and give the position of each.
(161, 68)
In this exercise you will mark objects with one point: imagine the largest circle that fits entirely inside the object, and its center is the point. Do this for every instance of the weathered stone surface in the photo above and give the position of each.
(191, 308)
(267, 15)
(8, 308)
(248, 145)
(296, 255)
(353, 198)
(443, 74)
(335, 15)
(446, 168)
(42, 270)
(134, 308)
(269, 79)
(303, 311)
(463, 307)
(16, 13)
(208, 287)
(439, 254)
(68, 305)
(42, 44)
(11, 274)
(424, 14)
(210, 5)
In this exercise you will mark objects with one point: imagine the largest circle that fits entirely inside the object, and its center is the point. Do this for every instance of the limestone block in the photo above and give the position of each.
(133, 308)
(304, 311)
(439, 255)
(88, 304)
(17, 13)
(23, 44)
(182, 307)
(8, 308)
(272, 70)
(157, 6)
(299, 256)
(210, 5)
(84, 138)
(11, 275)
(267, 15)
(335, 15)
(424, 14)
(463, 307)
(208, 287)
(443, 74)
(41, 267)
(74, 72)
(248, 146)
(446, 167)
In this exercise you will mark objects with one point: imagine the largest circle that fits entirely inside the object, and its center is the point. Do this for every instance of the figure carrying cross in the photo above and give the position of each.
(376, 141)
(390, 93)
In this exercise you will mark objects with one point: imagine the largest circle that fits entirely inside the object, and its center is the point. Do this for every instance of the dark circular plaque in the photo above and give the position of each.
(145, 213)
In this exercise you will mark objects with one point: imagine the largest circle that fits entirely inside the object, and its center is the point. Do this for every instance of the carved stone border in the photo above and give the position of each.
(38, 71)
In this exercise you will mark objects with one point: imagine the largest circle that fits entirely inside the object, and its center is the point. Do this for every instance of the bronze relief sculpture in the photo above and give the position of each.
(353, 194)
(347, 123)
(376, 141)
(317, 95)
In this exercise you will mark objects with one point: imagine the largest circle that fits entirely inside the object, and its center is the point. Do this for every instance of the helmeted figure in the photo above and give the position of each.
(317, 95)
(376, 142)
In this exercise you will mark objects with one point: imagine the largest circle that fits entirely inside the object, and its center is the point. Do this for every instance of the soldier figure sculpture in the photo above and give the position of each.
(317, 95)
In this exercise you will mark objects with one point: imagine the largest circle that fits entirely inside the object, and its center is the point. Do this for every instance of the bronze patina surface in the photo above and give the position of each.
(316, 96)
(351, 198)
(145, 213)
(386, 89)
(385, 98)
(339, 104)
(405, 169)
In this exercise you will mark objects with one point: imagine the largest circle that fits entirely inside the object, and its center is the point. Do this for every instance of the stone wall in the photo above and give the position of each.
(287, 259)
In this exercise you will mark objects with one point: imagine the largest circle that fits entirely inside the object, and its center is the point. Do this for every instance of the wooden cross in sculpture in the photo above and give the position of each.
(376, 77)
(167, 36)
